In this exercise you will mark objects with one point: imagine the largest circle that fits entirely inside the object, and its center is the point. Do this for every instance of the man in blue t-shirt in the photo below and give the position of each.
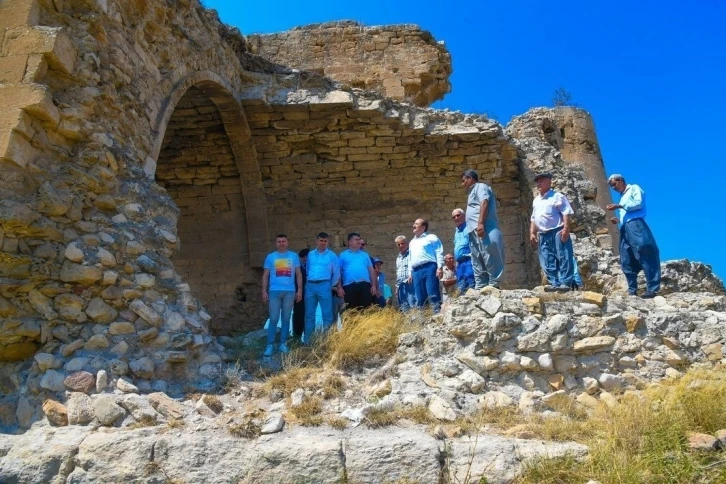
(282, 271)
(358, 282)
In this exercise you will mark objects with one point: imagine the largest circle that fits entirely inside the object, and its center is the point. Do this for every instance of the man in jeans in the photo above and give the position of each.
(404, 287)
(426, 265)
(323, 274)
(282, 271)
(358, 282)
(550, 229)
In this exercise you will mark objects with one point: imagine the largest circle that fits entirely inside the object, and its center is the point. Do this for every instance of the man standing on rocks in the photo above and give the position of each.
(323, 273)
(404, 287)
(462, 253)
(482, 226)
(638, 249)
(551, 222)
(282, 271)
(358, 283)
(298, 312)
(426, 265)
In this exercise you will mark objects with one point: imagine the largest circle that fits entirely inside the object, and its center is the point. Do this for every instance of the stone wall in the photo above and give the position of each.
(401, 62)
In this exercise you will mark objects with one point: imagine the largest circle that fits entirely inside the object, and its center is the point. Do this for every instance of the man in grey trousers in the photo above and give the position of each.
(485, 238)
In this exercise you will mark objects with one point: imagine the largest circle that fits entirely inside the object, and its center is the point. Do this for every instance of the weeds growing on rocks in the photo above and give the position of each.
(308, 412)
(643, 439)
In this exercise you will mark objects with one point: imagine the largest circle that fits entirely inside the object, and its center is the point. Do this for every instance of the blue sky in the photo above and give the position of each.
(652, 74)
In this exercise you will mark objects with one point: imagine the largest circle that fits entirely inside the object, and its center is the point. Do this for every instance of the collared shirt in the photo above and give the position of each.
(633, 202)
(323, 267)
(354, 266)
(478, 193)
(461, 243)
(402, 264)
(425, 248)
(449, 275)
(548, 210)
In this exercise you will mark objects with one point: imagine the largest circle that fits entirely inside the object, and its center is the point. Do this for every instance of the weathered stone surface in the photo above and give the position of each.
(53, 380)
(596, 343)
(374, 456)
(273, 423)
(126, 386)
(146, 312)
(71, 272)
(697, 441)
(140, 408)
(166, 406)
(96, 342)
(142, 368)
(107, 411)
(100, 312)
(56, 412)
(80, 381)
(70, 307)
(80, 409)
(441, 409)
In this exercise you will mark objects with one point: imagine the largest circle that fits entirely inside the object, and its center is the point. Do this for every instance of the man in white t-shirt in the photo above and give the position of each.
(550, 228)
(281, 271)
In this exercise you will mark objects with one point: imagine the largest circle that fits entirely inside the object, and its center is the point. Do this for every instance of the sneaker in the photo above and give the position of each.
(563, 289)
(648, 295)
(284, 348)
(269, 350)
(550, 288)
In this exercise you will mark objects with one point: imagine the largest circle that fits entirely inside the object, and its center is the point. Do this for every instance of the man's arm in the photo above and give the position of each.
(298, 277)
(265, 280)
(374, 280)
(439, 251)
(565, 232)
(532, 233)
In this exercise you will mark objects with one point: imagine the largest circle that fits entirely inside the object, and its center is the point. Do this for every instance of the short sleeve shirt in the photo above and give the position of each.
(548, 210)
(479, 192)
(354, 266)
(282, 270)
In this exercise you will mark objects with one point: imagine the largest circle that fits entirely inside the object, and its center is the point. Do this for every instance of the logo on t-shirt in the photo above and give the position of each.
(283, 268)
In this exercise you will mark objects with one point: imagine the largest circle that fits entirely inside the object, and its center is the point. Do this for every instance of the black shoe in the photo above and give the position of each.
(648, 295)
(564, 289)
(550, 288)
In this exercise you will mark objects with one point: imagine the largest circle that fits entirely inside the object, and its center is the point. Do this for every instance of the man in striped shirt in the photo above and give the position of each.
(404, 288)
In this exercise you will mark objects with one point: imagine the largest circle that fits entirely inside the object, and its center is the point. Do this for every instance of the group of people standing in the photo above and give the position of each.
(353, 279)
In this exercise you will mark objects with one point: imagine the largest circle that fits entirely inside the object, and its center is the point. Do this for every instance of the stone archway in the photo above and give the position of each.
(208, 165)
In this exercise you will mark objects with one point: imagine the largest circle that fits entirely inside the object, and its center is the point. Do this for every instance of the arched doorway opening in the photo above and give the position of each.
(198, 166)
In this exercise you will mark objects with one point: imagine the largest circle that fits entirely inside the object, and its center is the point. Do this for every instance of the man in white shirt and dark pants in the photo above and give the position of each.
(550, 223)
(426, 266)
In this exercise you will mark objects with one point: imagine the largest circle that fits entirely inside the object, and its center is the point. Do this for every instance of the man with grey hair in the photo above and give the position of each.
(638, 249)
(404, 288)
(462, 253)
(482, 227)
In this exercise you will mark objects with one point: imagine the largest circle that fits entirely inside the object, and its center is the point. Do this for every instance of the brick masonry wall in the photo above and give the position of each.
(402, 62)
(198, 169)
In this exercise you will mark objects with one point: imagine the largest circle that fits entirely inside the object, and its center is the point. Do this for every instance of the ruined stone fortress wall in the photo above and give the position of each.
(402, 62)
(147, 161)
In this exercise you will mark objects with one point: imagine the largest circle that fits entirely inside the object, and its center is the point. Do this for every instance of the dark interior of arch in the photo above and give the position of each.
(197, 167)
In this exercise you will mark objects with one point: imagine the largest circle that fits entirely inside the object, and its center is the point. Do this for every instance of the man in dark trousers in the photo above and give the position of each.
(298, 312)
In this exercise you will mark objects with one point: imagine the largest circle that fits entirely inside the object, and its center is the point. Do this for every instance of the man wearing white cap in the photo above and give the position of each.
(550, 228)
(638, 249)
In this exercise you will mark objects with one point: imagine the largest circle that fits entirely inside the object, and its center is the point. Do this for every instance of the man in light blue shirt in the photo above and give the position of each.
(638, 249)
(426, 265)
(358, 282)
(322, 274)
(282, 271)
(482, 226)
(462, 253)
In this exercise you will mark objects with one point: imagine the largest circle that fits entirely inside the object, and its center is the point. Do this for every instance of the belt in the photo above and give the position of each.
(318, 281)
(421, 266)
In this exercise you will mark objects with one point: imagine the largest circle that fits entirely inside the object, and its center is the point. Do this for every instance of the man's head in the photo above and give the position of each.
(458, 216)
(617, 183)
(354, 241)
(322, 241)
(449, 261)
(303, 255)
(377, 263)
(401, 243)
(543, 182)
(281, 242)
(362, 244)
(420, 226)
(469, 177)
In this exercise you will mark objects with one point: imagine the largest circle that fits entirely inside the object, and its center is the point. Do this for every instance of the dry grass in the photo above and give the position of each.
(385, 418)
(175, 423)
(643, 440)
(214, 403)
(308, 412)
(246, 429)
(337, 422)
(365, 335)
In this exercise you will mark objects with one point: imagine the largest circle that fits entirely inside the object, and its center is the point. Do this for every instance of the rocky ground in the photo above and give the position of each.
(412, 415)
